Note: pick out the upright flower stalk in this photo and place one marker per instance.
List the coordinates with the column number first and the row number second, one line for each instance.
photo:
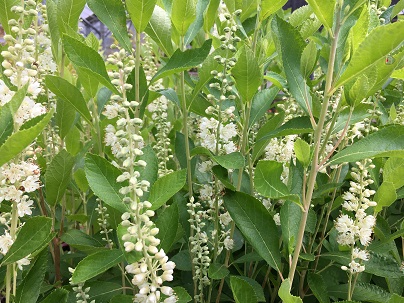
column 153, row 268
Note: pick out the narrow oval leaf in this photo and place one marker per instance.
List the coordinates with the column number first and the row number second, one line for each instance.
column 65, row 117
column 309, row 59
column 70, row 94
column 290, row 45
column 183, row 13
column 290, row 216
column 68, row 13
column 256, row 224
column 324, row 10
column 371, row 50
column 80, row 240
column 318, row 287
column 57, row 176
column 385, row 195
column 18, row 141
column 29, row 289
column 112, row 14
column 140, row 11
column 247, row 74
column 181, row 61
column 59, row 295
column 96, row 264
column 167, row 223
column 267, row 180
column 166, row 187
column 242, row 291
column 302, row 151
column 284, row 293
column 268, row 7
column 159, row 29
column 218, row 271
column 261, row 103
column 387, row 142
column 230, row 161
column 101, row 176
column 6, row 13
column 30, row 238
column 87, row 60
column 393, row 171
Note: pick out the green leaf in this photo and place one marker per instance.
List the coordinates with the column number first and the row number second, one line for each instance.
column 318, row 287
column 267, row 180
column 217, row 271
column 182, row 294
column 261, row 103
column 256, row 224
column 223, row 175
column 269, row 7
column 112, row 14
column 395, row 298
column 387, row 142
column 290, row 216
column 210, row 15
column 6, row 14
column 204, row 72
column 70, row 94
column 101, row 176
column 259, row 293
column 159, row 29
column 57, row 176
column 242, row 291
column 122, row 299
column 18, row 141
column 68, row 13
column 247, row 74
column 284, row 293
column 167, row 222
column 132, row 256
column 96, row 264
column 30, row 238
column 370, row 51
column 197, row 25
column 302, row 151
column 181, row 61
column 324, row 10
column 64, row 117
column 290, row 46
column 140, row 11
column 30, row 287
column 183, row 13
column 230, row 161
column 87, row 61
column 393, row 171
column 358, row 89
column 166, row 187
column 150, row 171
column 81, row 241
column 309, row 59
column 385, row 195
column 59, row 295
column 364, row 292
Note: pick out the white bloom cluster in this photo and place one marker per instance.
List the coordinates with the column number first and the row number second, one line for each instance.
column 153, row 269
column 23, row 58
column 359, row 225
column 218, row 137
column 103, row 223
column 158, row 108
column 282, row 150
column 15, row 181
column 200, row 249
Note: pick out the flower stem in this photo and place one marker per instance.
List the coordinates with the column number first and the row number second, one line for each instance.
column 317, row 143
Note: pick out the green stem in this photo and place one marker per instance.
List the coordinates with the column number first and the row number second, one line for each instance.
column 317, row 143
column 185, row 131
column 137, row 72
column 11, row 274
